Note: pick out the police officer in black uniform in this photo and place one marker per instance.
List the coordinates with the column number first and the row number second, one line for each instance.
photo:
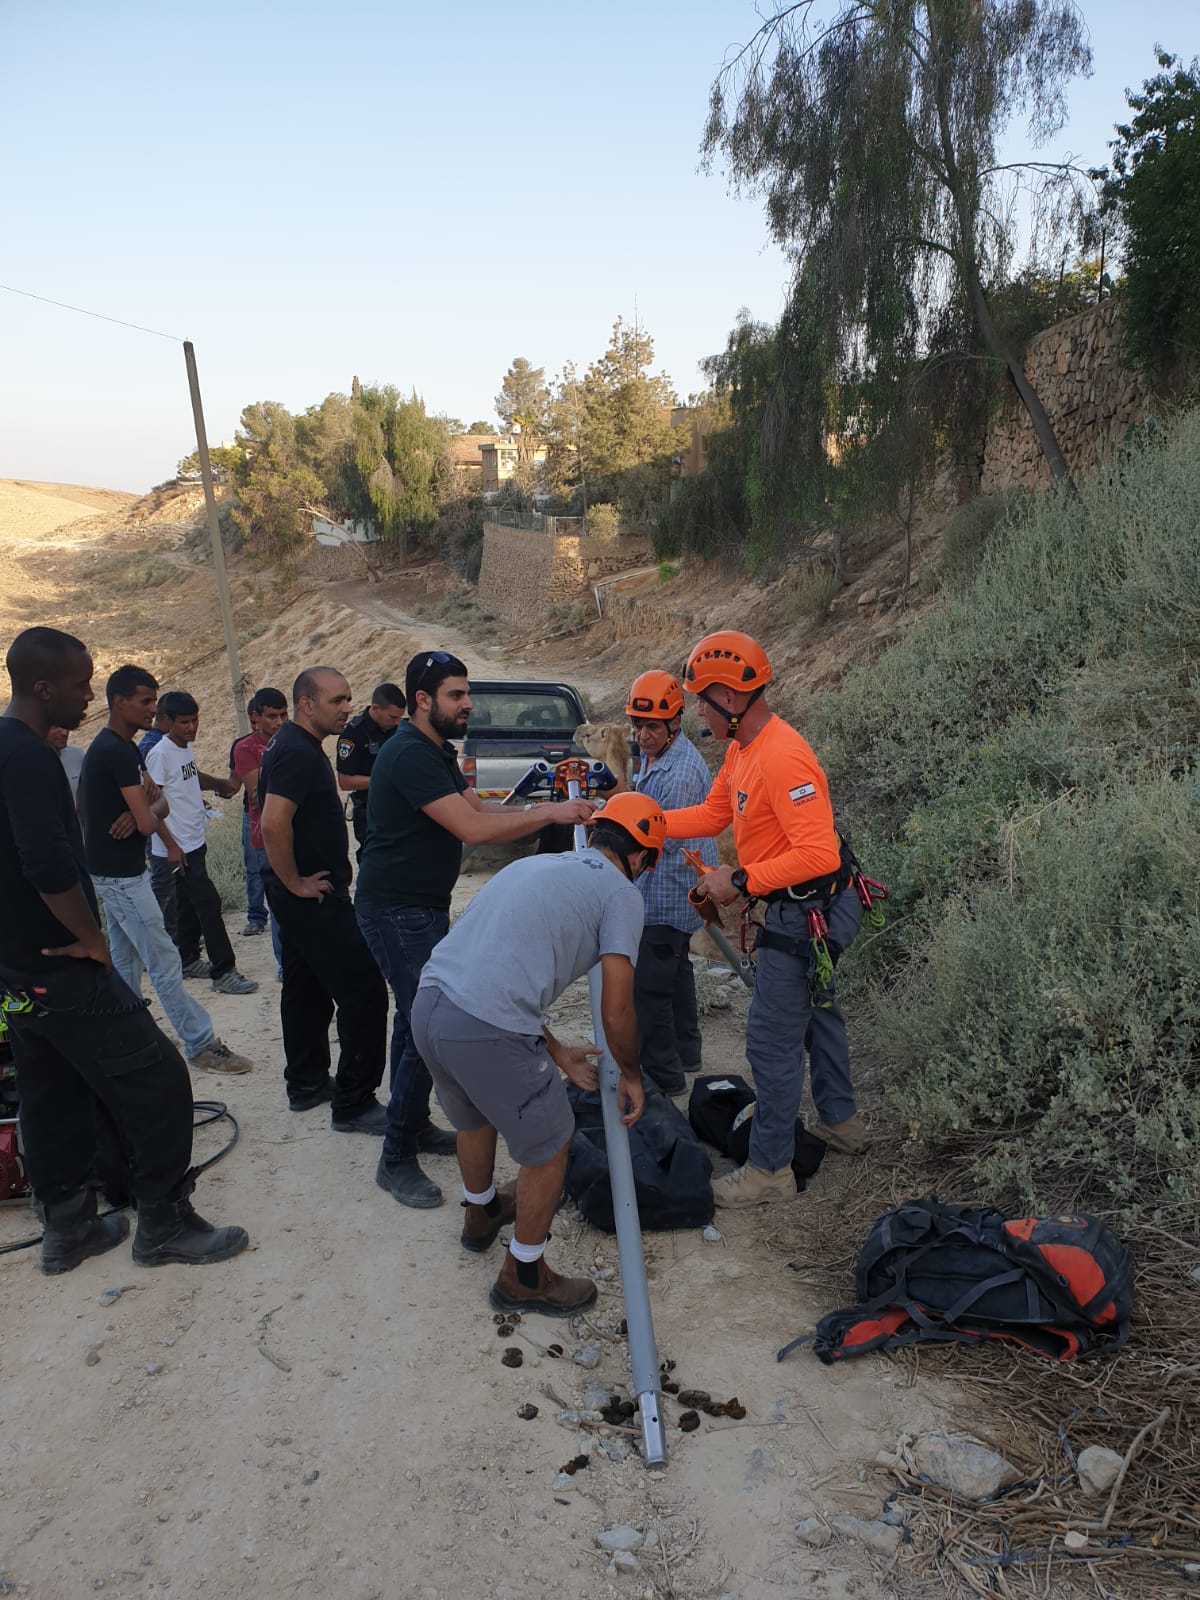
column 359, row 742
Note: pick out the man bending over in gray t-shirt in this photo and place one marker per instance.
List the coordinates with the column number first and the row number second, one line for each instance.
column 478, row 1023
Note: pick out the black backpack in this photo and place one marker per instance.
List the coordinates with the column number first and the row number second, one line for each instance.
column 671, row 1170
column 1059, row 1286
column 720, row 1108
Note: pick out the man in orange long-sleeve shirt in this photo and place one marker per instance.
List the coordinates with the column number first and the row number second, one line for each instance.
column 772, row 789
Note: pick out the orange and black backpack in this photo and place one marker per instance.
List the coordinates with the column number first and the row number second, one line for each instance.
column 1059, row 1286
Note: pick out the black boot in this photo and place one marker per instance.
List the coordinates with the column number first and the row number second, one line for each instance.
column 172, row 1230
column 73, row 1232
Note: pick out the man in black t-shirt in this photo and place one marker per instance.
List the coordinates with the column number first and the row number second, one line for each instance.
column 78, row 1033
column 325, row 963
column 420, row 813
column 121, row 808
column 359, row 743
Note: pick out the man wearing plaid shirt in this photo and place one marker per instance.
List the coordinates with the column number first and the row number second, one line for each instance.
column 672, row 772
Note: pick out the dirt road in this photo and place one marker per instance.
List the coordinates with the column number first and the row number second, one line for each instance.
column 328, row 1414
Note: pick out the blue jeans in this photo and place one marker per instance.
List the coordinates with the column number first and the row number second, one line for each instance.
column 256, row 899
column 401, row 938
column 138, row 939
column 781, row 1016
column 256, row 896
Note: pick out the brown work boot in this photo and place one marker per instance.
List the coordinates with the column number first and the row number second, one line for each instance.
column 753, row 1186
column 481, row 1224
column 849, row 1138
column 552, row 1295
column 218, row 1057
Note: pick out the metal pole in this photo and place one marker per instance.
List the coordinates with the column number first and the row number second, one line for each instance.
column 218, row 549
column 643, row 1352
column 742, row 965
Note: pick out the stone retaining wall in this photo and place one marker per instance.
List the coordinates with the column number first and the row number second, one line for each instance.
column 1090, row 396
column 525, row 572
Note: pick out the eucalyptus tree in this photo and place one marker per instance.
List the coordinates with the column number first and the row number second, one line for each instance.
column 875, row 138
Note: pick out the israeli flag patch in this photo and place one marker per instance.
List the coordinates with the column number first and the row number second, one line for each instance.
column 801, row 793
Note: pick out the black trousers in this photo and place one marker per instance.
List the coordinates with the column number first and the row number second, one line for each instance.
column 97, row 1042
column 327, row 966
column 191, row 907
column 664, row 999
column 358, row 823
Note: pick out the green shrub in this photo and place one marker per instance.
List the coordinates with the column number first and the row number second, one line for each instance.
column 603, row 521
column 225, row 865
column 974, row 529
column 1021, row 770
column 811, row 592
column 667, row 570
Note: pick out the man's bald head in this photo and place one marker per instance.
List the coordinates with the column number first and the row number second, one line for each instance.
column 321, row 701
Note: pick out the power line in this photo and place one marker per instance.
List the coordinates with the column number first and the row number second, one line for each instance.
column 83, row 312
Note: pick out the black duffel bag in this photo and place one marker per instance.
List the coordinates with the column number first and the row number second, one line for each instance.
column 720, row 1111
column 671, row 1170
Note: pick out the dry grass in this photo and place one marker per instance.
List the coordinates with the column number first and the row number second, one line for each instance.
column 1143, row 1401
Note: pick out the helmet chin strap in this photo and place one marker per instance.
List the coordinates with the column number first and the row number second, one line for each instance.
column 732, row 718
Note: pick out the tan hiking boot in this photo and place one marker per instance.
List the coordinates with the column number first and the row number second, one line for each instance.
column 480, row 1226
column 849, row 1138
column 218, row 1057
column 752, row 1186
column 551, row 1295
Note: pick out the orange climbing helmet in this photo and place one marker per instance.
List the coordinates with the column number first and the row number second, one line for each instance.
column 730, row 658
column 640, row 817
column 655, row 694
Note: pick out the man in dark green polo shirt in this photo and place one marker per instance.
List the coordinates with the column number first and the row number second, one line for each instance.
column 420, row 813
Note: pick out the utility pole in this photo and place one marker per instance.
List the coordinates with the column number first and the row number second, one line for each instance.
column 218, row 549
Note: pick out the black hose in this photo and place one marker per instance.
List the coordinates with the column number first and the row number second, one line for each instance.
column 212, row 1111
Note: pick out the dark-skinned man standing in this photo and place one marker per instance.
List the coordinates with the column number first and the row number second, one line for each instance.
column 78, row 1032
column 420, row 813
column 358, row 747
column 326, row 965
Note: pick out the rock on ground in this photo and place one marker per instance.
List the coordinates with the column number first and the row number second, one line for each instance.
column 1098, row 1469
column 966, row 1469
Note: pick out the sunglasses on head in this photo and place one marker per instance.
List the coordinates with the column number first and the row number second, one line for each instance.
column 435, row 658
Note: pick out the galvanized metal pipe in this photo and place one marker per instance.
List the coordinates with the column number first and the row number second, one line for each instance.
column 643, row 1352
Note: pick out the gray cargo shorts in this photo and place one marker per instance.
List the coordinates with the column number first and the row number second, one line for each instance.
column 484, row 1076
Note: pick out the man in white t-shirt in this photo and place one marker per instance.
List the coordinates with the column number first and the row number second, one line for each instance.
column 189, row 898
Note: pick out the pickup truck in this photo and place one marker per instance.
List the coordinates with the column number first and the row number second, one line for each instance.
column 513, row 725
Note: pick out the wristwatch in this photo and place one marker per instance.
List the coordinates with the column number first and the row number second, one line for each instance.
column 738, row 879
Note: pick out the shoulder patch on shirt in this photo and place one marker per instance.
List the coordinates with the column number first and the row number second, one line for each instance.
column 742, row 797
column 345, row 748
column 801, row 793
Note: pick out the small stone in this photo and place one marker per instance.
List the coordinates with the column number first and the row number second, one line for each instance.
column 1098, row 1469
column 868, row 597
column 297, row 1294
column 153, row 1368
column 562, row 1480
column 621, row 1536
column 588, row 1356
column 877, row 1536
column 326, row 1255
column 311, row 1477
column 92, row 1359
column 711, row 1235
column 625, row 1561
column 569, row 1417
column 617, row 1450
column 596, row 1396
column 969, row 1470
column 1074, row 1540
column 813, row 1531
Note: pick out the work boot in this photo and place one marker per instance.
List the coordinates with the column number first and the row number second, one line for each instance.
column 752, row 1186
column 371, row 1119
column 73, row 1232
column 848, row 1138
column 317, row 1097
column 551, row 1295
column 481, row 1224
column 253, row 930
column 405, row 1182
column 218, row 1057
column 197, row 968
column 433, row 1141
column 173, row 1231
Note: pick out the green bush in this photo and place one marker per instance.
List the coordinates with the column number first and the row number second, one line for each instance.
column 1021, row 769
column 225, row 865
column 811, row 592
column 667, row 570
column 973, row 530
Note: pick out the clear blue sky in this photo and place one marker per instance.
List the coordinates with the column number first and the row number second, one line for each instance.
column 413, row 194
